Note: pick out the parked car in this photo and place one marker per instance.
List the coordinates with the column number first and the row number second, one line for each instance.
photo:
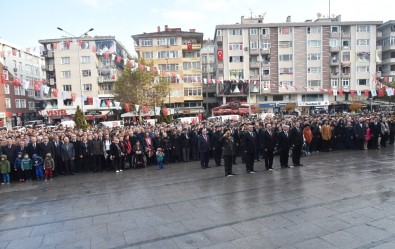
column 19, row 128
column 32, row 124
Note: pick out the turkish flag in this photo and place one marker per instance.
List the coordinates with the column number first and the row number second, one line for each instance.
column 330, row 92
column 16, row 82
column 164, row 111
column 142, row 67
column 220, row 54
column 80, row 43
column 14, row 52
column 154, row 70
column 55, row 92
column 341, row 92
column 366, row 93
column 89, row 101
column 119, row 59
column 189, row 45
column 67, row 44
column 3, row 78
column 127, row 107
column 36, row 87
column 94, row 49
column 106, row 55
column 73, row 96
column 108, row 103
column 54, row 45
column 352, row 92
column 381, row 92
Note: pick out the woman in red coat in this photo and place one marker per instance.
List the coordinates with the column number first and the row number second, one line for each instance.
column 308, row 137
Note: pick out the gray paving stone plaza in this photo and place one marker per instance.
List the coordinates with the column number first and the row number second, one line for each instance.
column 339, row 199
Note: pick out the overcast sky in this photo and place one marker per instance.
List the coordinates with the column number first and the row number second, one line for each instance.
column 25, row 22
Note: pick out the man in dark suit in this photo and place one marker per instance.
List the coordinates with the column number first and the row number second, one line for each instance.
column 68, row 154
column 283, row 145
column 360, row 132
column 194, row 143
column 217, row 135
column 46, row 147
column 10, row 151
column 375, row 129
column 56, row 156
column 249, row 141
column 268, row 146
column 77, row 160
column 85, row 154
column 204, row 149
column 296, row 140
column 32, row 148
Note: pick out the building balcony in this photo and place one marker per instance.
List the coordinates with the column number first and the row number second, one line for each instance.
column 335, row 74
column 220, row 65
column 47, row 54
column 346, row 75
column 388, row 47
column 52, row 81
column 346, row 34
column 334, row 62
column 334, row 49
column 106, row 79
column 335, row 35
column 194, row 46
column 254, row 64
column 389, row 61
column 219, row 39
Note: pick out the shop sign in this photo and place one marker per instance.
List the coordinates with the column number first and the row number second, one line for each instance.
column 56, row 112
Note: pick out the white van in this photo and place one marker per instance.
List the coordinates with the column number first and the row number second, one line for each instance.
column 187, row 120
column 111, row 124
column 67, row 124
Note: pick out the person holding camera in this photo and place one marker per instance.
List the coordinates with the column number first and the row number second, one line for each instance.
column 228, row 150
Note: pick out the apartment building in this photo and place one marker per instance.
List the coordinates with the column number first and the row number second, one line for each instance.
column 176, row 54
column 312, row 64
column 81, row 72
column 386, row 48
column 208, row 69
column 19, row 68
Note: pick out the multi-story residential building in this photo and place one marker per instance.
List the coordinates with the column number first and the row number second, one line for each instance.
column 20, row 68
column 177, row 53
column 81, row 72
column 312, row 64
column 386, row 45
column 208, row 69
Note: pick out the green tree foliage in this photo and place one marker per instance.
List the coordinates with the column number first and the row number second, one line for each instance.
column 139, row 86
column 79, row 119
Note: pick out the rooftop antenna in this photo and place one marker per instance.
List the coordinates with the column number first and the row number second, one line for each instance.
column 329, row 8
column 250, row 13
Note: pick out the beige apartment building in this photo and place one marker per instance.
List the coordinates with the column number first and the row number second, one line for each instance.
column 81, row 72
column 176, row 55
column 313, row 64
column 386, row 49
column 207, row 54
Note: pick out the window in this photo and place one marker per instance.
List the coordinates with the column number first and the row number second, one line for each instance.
column 23, row 103
column 312, row 70
column 31, row 105
column 286, row 83
column 17, row 103
column 264, row 31
column 334, row 43
column 363, row 28
column 168, row 67
column 66, row 74
column 6, row 89
column 7, row 103
column 65, row 60
column 67, row 88
column 346, row 70
column 146, row 42
column 22, row 91
column 286, row 70
column 106, row 87
column 236, row 59
column 236, row 46
column 314, row 43
column 254, row 31
column 345, row 82
column 312, row 97
column 86, row 73
column 191, row 78
column 265, row 44
column 167, row 54
column 285, row 44
column 364, row 56
column 167, row 41
column 363, row 42
column 236, row 74
column 362, row 82
column 235, row 32
column 85, row 59
column 278, row 97
column 361, row 69
column 334, row 29
column 30, row 93
column 285, row 57
column 314, row 57
column 313, row 83
column 20, row 65
column 148, row 55
column 195, row 91
column 334, row 82
column 104, row 61
column 87, row 87
column 219, row 32
column 285, row 30
column 191, row 65
column 17, row 90
column 253, row 45
column 345, row 56
column 346, row 43
column 313, row 30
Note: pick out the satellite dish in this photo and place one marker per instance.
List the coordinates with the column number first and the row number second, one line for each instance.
column 319, row 15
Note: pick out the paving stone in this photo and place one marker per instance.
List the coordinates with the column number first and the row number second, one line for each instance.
column 33, row 242
column 314, row 244
column 194, row 240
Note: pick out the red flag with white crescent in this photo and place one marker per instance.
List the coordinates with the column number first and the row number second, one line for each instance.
column 220, row 54
column 189, row 45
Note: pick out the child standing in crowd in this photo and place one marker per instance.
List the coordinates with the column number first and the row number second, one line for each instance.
column 26, row 167
column 38, row 164
column 159, row 157
column 18, row 167
column 5, row 169
column 49, row 166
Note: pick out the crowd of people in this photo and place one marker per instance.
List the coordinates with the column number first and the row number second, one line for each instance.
column 40, row 153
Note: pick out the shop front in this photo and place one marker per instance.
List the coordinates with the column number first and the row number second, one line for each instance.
column 272, row 107
column 56, row 116
column 313, row 107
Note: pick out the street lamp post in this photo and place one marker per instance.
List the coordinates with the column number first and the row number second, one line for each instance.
column 168, row 80
column 79, row 63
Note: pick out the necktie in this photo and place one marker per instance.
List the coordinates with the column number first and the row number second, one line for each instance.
column 205, row 138
column 34, row 145
column 251, row 134
column 286, row 134
column 45, row 143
